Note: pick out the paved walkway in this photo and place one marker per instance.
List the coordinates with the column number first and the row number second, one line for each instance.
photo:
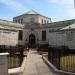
column 35, row 65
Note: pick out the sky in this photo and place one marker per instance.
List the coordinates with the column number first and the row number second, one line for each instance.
column 57, row 10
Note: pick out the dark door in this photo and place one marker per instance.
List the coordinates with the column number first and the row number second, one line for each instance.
column 32, row 40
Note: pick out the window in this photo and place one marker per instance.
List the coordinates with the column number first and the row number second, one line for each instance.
column 69, row 36
column 18, row 20
column 20, row 35
column 15, row 20
column 32, row 20
column 42, row 21
column 43, row 35
column 21, row 21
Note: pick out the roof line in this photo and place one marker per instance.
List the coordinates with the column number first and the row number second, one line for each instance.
column 32, row 14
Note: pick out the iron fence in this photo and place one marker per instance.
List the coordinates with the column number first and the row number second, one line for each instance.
column 62, row 58
column 42, row 47
column 15, row 57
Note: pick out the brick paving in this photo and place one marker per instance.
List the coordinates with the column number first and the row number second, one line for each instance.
column 35, row 65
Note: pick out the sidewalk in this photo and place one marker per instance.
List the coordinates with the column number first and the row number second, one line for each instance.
column 35, row 65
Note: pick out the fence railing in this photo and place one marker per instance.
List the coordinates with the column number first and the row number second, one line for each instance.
column 42, row 47
column 13, row 61
column 15, row 57
column 62, row 58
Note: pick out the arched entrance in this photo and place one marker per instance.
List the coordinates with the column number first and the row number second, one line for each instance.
column 32, row 40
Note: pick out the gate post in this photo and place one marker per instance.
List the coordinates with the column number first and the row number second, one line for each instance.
column 4, row 63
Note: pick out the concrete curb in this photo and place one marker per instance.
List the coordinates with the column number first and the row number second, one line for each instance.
column 60, row 72
column 14, row 71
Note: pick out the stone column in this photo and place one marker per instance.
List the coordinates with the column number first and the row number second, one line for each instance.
column 4, row 63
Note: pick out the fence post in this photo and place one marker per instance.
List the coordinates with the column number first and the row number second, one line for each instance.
column 4, row 63
column 21, row 49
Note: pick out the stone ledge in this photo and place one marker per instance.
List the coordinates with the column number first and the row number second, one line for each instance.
column 14, row 71
column 55, row 69
column 4, row 54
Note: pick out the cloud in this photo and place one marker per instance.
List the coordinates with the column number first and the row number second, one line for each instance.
column 68, row 6
column 71, row 12
column 13, row 4
column 62, row 2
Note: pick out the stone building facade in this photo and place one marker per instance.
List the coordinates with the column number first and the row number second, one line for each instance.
column 32, row 17
column 9, row 33
column 64, row 37
column 33, row 29
column 38, row 29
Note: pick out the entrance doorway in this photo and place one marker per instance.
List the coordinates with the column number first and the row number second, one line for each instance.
column 32, row 41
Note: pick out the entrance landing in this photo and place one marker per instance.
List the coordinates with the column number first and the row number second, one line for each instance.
column 35, row 65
